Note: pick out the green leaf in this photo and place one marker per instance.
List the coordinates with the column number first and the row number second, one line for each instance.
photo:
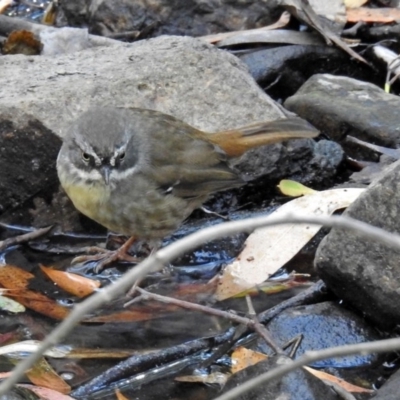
column 294, row 189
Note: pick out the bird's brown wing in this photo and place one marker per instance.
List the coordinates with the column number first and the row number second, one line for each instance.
column 184, row 164
column 199, row 182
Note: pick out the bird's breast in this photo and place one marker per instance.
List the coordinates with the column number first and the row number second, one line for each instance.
column 90, row 199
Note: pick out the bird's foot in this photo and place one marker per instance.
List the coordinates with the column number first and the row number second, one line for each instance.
column 106, row 257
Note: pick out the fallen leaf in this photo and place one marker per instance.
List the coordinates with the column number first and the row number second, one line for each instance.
column 50, row 13
column 382, row 15
column 17, row 279
column 214, row 378
column 80, row 353
column 31, row 346
column 129, row 315
column 293, row 188
column 119, row 395
column 46, row 393
column 42, row 374
column 303, row 11
column 22, row 42
column 273, row 286
column 77, row 285
column 243, row 358
column 341, row 382
column 283, row 21
column 10, row 305
column 275, row 36
column 268, row 249
column 354, row 3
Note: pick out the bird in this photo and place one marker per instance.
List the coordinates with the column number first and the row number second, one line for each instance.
column 141, row 172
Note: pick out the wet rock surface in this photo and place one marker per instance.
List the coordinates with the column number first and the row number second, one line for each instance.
column 321, row 326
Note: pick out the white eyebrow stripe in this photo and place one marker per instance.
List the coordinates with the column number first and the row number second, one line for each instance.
column 87, row 148
column 117, row 153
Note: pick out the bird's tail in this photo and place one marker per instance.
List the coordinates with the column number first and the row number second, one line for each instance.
column 237, row 141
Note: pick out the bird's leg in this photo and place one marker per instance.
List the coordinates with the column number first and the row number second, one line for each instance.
column 108, row 256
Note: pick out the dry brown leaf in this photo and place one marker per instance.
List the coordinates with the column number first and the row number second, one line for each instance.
column 77, row 285
column 382, row 15
column 131, row 315
column 83, row 353
column 42, row 374
column 22, row 42
column 243, row 358
column 46, row 393
column 341, row 382
column 39, row 303
column 17, row 279
column 119, row 395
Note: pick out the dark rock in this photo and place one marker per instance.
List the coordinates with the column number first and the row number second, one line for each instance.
column 322, row 326
column 361, row 271
column 177, row 17
column 28, row 152
column 76, row 11
column 341, row 106
column 282, row 70
column 303, row 160
column 296, row 385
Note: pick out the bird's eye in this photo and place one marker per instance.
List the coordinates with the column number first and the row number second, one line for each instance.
column 85, row 157
column 122, row 156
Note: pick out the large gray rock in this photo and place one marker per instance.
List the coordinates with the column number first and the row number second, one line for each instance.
column 339, row 106
column 362, row 272
column 208, row 88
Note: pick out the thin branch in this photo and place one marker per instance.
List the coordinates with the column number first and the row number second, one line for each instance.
column 26, row 237
column 156, row 261
column 314, row 294
column 145, row 295
column 251, row 323
column 259, row 328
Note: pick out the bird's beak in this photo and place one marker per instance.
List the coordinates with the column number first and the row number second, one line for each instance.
column 105, row 173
